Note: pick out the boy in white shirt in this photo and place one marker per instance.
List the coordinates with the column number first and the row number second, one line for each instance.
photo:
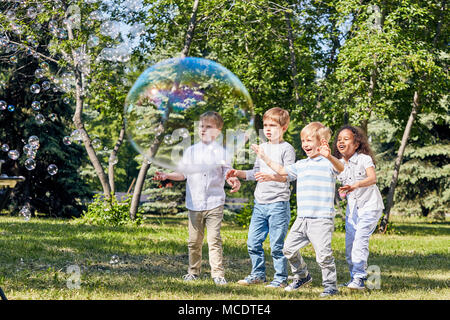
column 205, row 196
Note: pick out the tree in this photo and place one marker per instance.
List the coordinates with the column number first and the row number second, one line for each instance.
column 34, row 127
column 154, row 148
column 88, row 58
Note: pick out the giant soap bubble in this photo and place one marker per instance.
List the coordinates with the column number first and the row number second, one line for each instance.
column 163, row 108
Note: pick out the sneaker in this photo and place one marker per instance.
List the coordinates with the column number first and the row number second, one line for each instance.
column 328, row 293
column 220, row 281
column 356, row 284
column 345, row 284
column 297, row 283
column 249, row 280
column 190, row 277
column 277, row 285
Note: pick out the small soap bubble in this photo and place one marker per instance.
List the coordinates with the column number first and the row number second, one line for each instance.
column 114, row 260
column 36, row 105
column 35, row 88
column 67, row 140
column 5, row 147
column 11, row 108
column 52, row 169
column 30, row 164
column 93, row 41
column 33, row 141
column 76, row 135
column 96, row 143
column 26, row 213
column 44, row 65
column 13, row 154
column 45, row 85
column 3, row 105
column 52, row 116
column 113, row 160
column 39, row 73
column 40, row 119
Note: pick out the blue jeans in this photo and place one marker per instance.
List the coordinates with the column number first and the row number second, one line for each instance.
column 269, row 219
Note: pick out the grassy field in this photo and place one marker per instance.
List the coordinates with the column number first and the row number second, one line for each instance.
column 35, row 256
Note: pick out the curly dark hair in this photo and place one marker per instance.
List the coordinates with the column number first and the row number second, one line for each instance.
column 359, row 137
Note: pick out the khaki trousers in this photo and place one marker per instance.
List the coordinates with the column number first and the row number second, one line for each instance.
column 212, row 220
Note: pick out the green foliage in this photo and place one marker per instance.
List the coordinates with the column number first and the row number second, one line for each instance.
column 244, row 216
column 424, row 178
column 110, row 212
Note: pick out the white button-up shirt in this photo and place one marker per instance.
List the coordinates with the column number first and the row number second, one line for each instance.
column 205, row 184
column 365, row 198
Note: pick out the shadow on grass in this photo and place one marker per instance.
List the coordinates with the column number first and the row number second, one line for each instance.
column 436, row 228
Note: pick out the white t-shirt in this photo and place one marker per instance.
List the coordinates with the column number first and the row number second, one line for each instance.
column 366, row 198
column 205, row 189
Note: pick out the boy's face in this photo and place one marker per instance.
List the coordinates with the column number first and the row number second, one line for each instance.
column 273, row 131
column 310, row 144
column 208, row 130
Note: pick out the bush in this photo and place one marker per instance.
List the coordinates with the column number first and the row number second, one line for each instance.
column 109, row 212
column 245, row 215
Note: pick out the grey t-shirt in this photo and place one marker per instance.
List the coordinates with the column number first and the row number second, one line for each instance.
column 272, row 191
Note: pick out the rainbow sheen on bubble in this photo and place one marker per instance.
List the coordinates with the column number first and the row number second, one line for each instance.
column 163, row 108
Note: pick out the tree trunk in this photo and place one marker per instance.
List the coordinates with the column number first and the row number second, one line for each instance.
column 113, row 158
column 154, row 148
column 77, row 120
column 398, row 161
column 293, row 63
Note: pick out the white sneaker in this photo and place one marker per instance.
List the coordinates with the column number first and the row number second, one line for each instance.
column 356, row 284
column 220, row 281
column 190, row 277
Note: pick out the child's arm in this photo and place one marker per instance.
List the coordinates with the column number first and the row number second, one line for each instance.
column 370, row 180
column 175, row 176
column 326, row 152
column 235, row 173
column 278, row 168
column 262, row 177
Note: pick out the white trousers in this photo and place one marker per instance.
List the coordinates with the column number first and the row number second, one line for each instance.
column 359, row 226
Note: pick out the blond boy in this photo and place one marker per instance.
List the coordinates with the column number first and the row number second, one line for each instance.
column 205, row 196
column 316, row 177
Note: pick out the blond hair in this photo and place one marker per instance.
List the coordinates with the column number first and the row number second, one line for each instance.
column 278, row 115
column 317, row 130
column 214, row 116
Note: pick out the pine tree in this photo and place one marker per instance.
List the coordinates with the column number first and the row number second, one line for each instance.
column 44, row 115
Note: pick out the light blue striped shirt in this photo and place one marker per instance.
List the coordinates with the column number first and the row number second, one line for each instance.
column 316, row 181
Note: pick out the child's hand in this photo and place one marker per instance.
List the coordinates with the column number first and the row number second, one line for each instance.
column 160, row 176
column 263, row 177
column 231, row 174
column 234, row 183
column 259, row 151
column 324, row 149
column 344, row 190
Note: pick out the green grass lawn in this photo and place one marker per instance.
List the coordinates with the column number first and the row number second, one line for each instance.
column 35, row 255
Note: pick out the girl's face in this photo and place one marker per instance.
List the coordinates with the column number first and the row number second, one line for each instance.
column 346, row 143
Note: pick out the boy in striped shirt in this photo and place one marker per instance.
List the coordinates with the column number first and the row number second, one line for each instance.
column 316, row 178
